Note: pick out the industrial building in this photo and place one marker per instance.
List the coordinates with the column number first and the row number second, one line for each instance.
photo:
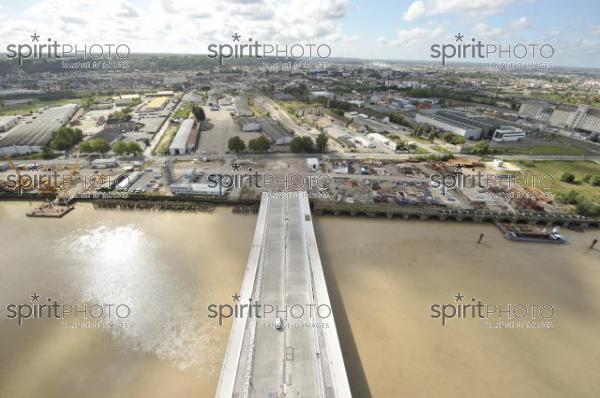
column 561, row 114
column 383, row 140
column 538, row 111
column 8, row 122
column 272, row 129
column 188, row 184
column 241, row 106
column 365, row 124
column 192, row 98
column 585, row 118
column 362, row 141
column 467, row 130
column 126, row 99
column 36, row 131
column 108, row 163
column 488, row 125
column 276, row 133
column 128, row 181
column 249, row 123
column 185, row 140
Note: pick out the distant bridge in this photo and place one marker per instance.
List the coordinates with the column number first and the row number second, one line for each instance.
column 445, row 214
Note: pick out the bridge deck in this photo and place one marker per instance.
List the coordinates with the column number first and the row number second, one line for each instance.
column 284, row 271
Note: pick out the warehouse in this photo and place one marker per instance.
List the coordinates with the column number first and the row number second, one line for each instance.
column 241, row 106
column 36, row 131
column 362, row 141
column 276, row 133
column 184, row 139
column 188, row 184
column 249, row 123
column 8, row 122
column 467, row 130
column 108, row 163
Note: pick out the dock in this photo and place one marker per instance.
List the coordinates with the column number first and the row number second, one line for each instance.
column 50, row 210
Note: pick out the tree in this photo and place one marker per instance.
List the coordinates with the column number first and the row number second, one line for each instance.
column 95, row 146
column 198, row 113
column 65, row 138
column 302, row 144
column 236, row 144
column 120, row 148
column 448, row 137
column 458, row 140
column 322, row 140
column 568, row 177
column 259, row 144
column 133, row 148
column 124, row 115
column 595, row 181
column 481, row 148
column 47, row 152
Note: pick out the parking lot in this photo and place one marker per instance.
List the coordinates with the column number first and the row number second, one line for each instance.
column 214, row 141
column 149, row 181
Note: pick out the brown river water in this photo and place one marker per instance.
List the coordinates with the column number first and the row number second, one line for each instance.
column 383, row 277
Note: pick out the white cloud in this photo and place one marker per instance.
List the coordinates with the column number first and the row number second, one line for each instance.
column 415, row 36
column 179, row 25
column 594, row 30
column 420, row 8
column 519, row 24
column 483, row 31
column 415, row 11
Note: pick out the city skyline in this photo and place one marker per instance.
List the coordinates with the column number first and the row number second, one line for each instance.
column 392, row 30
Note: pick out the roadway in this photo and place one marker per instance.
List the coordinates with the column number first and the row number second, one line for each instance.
column 284, row 270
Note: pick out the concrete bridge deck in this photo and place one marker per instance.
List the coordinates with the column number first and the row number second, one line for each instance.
column 284, row 273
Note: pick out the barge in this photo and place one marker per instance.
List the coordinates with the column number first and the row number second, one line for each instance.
column 530, row 233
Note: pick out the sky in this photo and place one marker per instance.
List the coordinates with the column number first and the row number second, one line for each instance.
column 370, row 29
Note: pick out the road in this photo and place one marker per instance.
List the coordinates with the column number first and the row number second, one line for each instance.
column 303, row 358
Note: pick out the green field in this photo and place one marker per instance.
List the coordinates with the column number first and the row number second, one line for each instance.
column 440, row 149
column 36, row 105
column 163, row 146
column 539, row 150
column 556, row 170
column 292, row 106
column 183, row 112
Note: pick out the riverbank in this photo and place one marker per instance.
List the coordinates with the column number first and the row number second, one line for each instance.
column 319, row 207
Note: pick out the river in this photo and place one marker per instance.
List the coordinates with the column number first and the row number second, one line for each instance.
column 383, row 277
